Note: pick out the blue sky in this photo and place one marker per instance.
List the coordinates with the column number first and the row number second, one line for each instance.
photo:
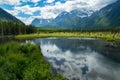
column 28, row 10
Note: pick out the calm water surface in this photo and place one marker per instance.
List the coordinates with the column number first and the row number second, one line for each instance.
column 82, row 59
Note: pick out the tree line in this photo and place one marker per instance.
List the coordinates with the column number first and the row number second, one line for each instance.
column 51, row 30
column 12, row 28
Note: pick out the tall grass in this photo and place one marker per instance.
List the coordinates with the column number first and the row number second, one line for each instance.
column 24, row 62
column 103, row 35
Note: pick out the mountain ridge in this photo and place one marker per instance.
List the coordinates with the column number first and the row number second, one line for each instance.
column 107, row 17
column 4, row 15
column 61, row 19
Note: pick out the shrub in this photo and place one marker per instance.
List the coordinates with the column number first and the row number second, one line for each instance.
column 15, row 65
column 2, row 50
column 28, row 48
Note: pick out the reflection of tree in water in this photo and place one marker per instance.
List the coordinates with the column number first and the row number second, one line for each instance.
column 112, row 53
column 7, row 39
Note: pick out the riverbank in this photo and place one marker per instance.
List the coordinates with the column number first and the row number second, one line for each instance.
column 24, row 62
column 103, row 35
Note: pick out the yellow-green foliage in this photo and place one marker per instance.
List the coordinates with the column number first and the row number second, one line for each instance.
column 24, row 62
column 103, row 35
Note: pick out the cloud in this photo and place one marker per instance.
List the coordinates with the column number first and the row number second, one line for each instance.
column 17, row 2
column 51, row 11
column 35, row 1
column 11, row 2
column 13, row 12
column 26, row 9
column 27, row 21
column 50, row 1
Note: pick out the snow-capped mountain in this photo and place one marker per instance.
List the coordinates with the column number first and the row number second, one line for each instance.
column 75, row 13
column 62, row 19
column 107, row 17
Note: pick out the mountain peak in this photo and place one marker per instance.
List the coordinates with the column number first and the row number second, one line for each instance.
column 81, row 13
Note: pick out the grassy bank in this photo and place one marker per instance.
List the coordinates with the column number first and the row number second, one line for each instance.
column 104, row 35
column 24, row 62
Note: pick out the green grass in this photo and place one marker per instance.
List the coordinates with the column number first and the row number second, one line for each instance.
column 24, row 62
column 104, row 35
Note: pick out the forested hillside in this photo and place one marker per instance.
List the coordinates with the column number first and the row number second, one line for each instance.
column 6, row 16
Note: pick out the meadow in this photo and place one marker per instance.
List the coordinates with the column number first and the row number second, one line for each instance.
column 103, row 35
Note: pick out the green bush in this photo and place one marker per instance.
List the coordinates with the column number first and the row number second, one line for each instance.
column 28, row 48
column 2, row 51
column 15, row 65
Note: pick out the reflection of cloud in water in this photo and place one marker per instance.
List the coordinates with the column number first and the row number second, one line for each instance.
column 70, row 64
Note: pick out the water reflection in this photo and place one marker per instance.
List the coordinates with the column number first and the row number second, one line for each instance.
column 6, row 39
column 82, row 59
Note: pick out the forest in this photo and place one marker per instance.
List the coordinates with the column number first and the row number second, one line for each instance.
column 12, row 28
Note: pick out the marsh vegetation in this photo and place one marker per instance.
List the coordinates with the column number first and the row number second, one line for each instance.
column 24, row 62
column 104, row 35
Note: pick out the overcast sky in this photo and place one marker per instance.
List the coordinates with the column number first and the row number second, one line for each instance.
column 27, row 10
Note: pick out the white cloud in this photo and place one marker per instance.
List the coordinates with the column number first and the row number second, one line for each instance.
column 50, row 1
column 26, row 21
column 11, row 2
column 30, row 19
column 13, row 12
column 35, row 1
column 26, row 9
